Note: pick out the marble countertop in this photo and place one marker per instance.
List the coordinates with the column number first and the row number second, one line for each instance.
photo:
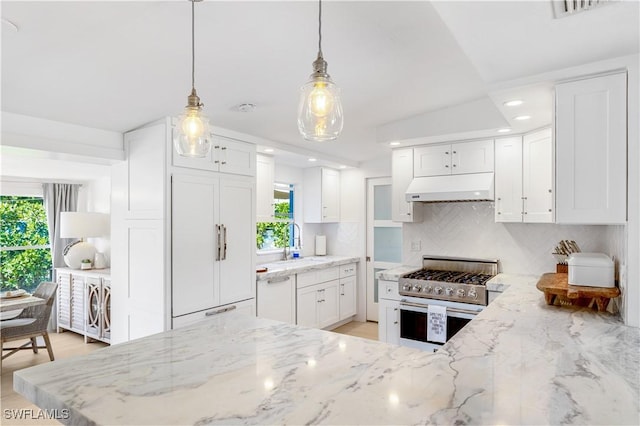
column 305, row 264
column 394, row 274
column 518, row 362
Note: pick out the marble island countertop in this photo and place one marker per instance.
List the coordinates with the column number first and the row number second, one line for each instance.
column 519, row 362
column 304, row 264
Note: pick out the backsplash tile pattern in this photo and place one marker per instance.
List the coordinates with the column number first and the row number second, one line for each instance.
column 468, row 230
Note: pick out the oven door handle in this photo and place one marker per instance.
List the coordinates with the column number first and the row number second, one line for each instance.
column 456, row 310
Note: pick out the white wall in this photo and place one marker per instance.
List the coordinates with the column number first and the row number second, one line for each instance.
column 95, row 196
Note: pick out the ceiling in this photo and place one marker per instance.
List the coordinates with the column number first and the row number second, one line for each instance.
column 116, row 65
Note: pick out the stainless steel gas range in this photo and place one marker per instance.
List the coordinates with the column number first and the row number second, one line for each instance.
column 441, row 298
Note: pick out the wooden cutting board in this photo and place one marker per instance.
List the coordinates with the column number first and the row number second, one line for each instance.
column 556, row 284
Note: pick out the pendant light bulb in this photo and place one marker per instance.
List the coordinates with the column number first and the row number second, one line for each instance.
column 192, row 137
column 320, row 109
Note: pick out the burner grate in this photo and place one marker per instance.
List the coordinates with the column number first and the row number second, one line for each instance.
column 450, row 276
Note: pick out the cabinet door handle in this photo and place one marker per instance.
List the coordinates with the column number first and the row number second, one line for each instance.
column 218, row 247
column 446, row 165
column 278, row 280
column 454, row 165
column 342, row 291
column 220, row 311
column 224, row 250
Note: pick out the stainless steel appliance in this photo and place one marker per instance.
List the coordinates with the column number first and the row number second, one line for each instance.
column 458, row 284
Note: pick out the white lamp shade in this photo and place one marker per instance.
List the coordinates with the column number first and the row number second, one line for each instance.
column 83, row 224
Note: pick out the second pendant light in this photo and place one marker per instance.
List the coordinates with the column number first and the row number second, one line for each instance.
column 320, row 109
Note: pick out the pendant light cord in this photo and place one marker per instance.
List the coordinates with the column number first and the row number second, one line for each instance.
column 193, row 46
column 320, row 27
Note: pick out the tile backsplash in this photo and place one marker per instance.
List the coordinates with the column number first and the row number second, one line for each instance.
column 468, row 229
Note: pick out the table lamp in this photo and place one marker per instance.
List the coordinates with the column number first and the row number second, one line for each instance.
column 81, row 225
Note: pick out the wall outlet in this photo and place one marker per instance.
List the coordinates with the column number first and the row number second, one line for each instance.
column 416, row 245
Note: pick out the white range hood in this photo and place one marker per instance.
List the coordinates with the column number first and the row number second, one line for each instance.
column 469, row 187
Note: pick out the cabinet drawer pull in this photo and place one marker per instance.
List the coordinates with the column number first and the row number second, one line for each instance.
column 220, row 311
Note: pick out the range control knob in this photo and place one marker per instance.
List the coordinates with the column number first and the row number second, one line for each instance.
column 427, row 289
column 438, row 290
column 417, row 288
column 472, row 294
column 460, row 292
column 406, row 287
column 449, row 291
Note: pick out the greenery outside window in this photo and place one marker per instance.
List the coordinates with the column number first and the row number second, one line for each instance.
column 277, row 234
column 25, row 255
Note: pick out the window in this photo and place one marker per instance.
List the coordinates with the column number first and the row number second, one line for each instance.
column 277, row 234
column 25, row 256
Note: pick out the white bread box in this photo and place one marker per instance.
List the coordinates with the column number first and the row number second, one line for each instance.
column 591, row 270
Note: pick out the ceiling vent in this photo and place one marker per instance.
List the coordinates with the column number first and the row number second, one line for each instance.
column 564, row 8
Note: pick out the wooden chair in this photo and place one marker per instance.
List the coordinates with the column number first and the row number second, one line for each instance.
column 30, row 324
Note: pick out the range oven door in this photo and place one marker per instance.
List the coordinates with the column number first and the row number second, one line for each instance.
column 414, row 323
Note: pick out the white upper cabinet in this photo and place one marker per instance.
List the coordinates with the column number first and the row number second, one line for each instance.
column 321, row 195
column 265, row 170
column 508, row 178
column 524, row 178
column 472, row 157
column 432, row 160
column 226, row 156
column 458, row 158
column 591, row 144
column 402, row 175
column 537, row 177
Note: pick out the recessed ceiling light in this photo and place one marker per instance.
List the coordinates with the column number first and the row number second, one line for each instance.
column 313, row 159
column 522, row 117
column 343, row 167
column 246, row 107
column 395, row 143
column 268, row 150
column 505, row 130
column 514, row 102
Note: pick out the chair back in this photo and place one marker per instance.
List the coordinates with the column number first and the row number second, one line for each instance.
column 41, row 313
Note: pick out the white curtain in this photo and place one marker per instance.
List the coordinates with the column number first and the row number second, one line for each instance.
column 58, row 197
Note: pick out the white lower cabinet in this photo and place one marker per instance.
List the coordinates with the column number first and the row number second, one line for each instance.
column 277, row 299
column 247, row 307
column 388, row 312
column 318, row 305
column 348, row 291
column 389, row 321
column 84, row 302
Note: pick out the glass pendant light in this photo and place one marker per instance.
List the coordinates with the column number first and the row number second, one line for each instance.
column 320, row 109
column 192, row 136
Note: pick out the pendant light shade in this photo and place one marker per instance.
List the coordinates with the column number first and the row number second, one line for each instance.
column 192, row 136
column 320, row 109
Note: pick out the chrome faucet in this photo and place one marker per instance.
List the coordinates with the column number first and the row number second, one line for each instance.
column 297, row 242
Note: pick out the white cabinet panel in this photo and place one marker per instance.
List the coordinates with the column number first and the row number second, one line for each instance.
column 144, row 149
column 246, row 307
column 401, row 177
column 347, row 297
column 458, row 158
column 321, row 197
column 432, row 160
column 226, row 156
column 328, row 308
column 389, row 323
column 524, row 178
column 591, row 144
column 237, row 211
column 307, row 301
column 277, row 299
column 508, row 180
column 472, row 157
column 194, row 247
column 265, row 170
column 212, row 259
column 537, row 177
